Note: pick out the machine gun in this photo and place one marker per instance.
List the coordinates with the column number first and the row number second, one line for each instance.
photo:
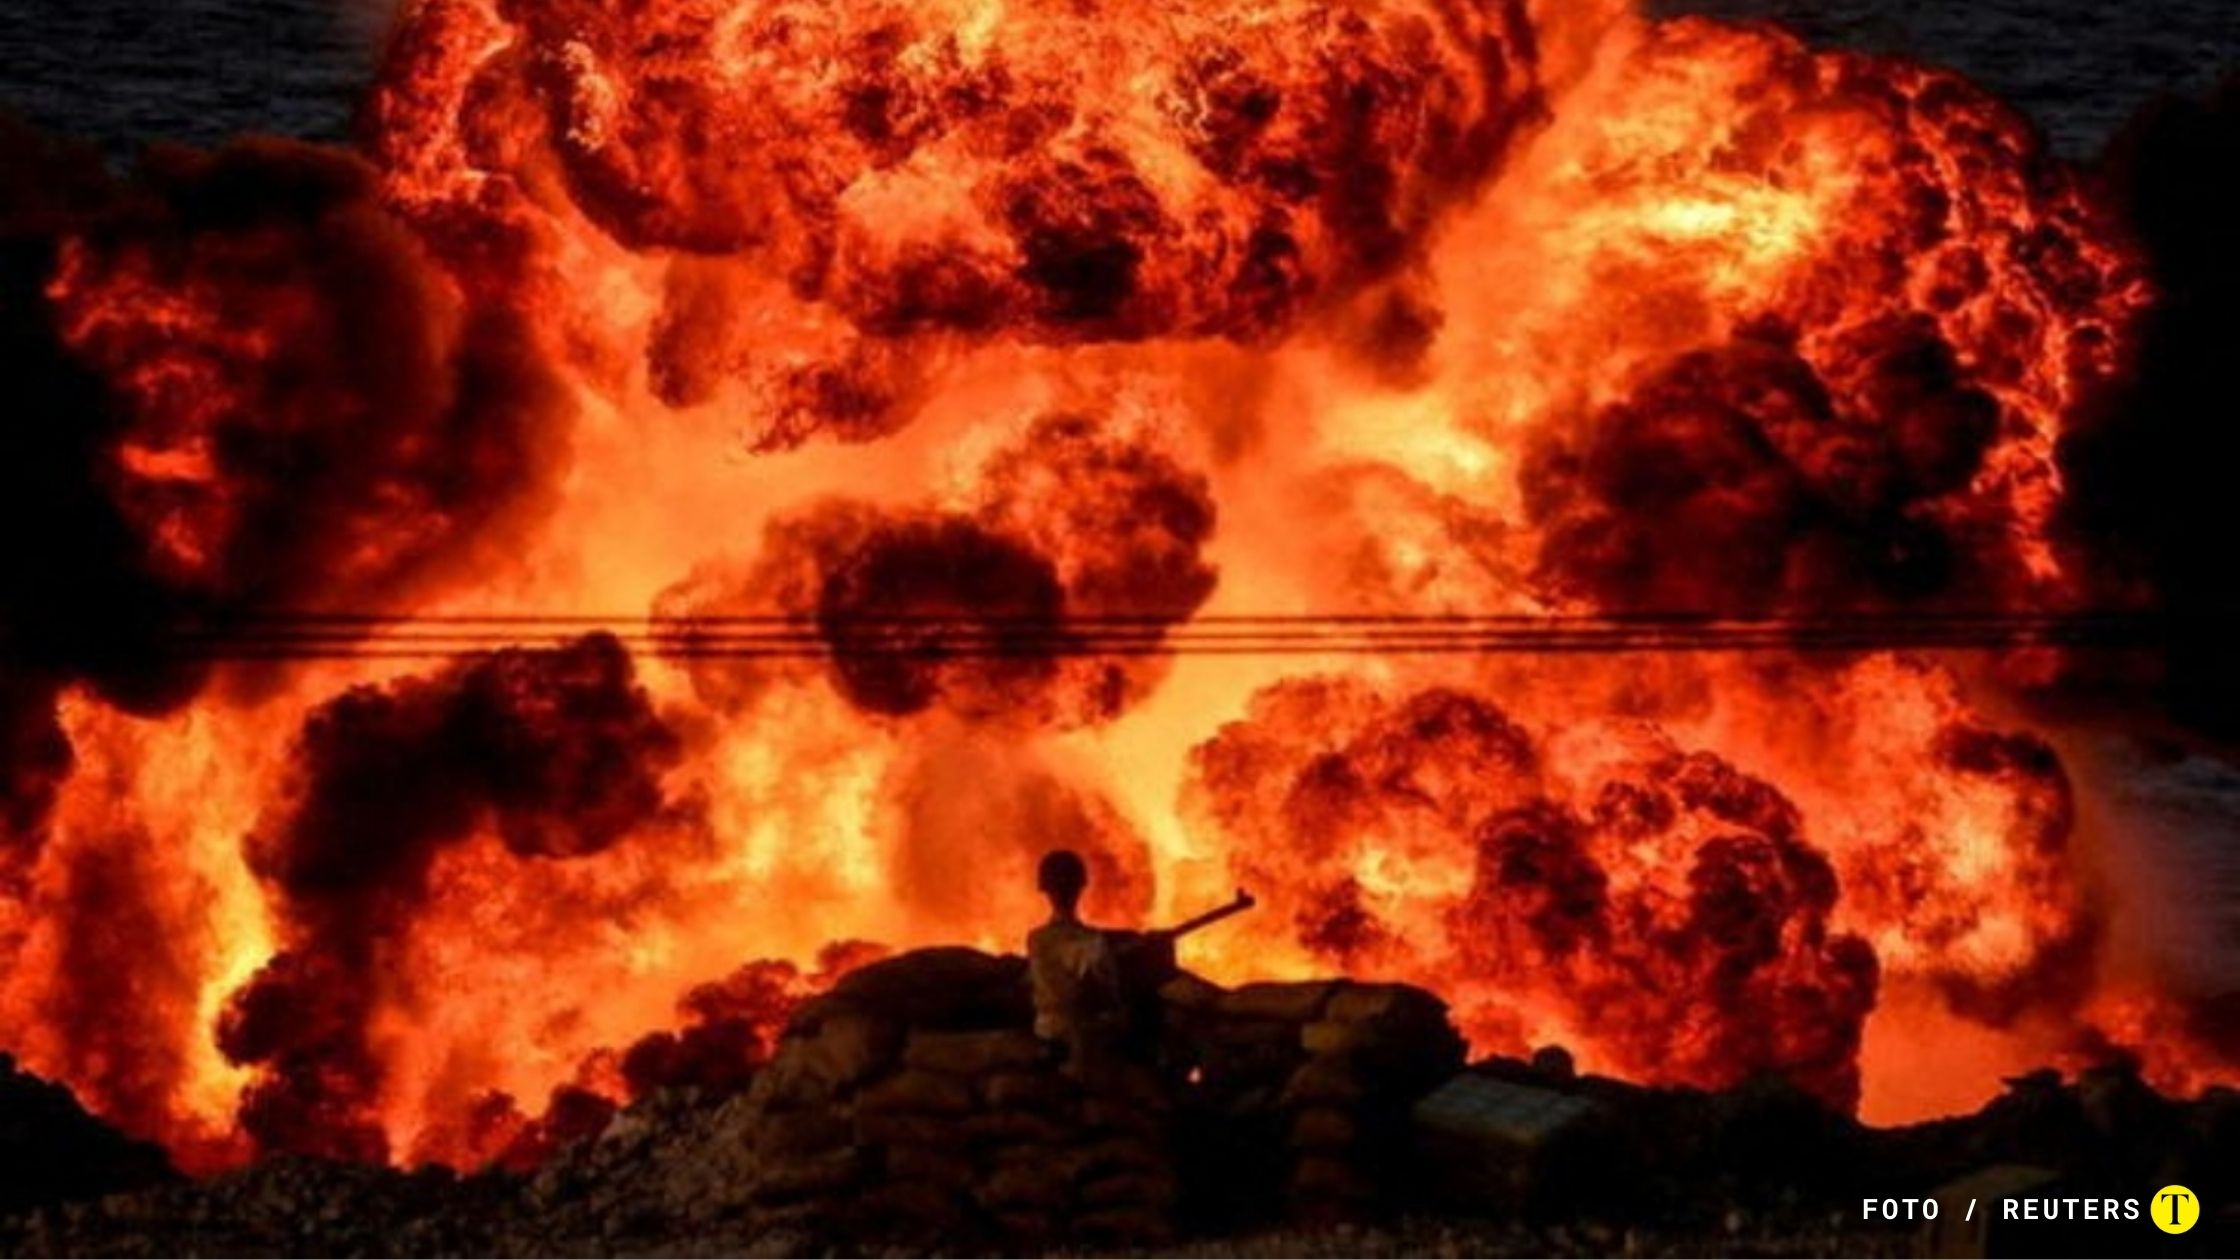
column 1147, row 963
column 1147, row 958
column 1237, row 905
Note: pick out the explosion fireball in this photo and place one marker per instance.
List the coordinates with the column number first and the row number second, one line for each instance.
column 719, row 482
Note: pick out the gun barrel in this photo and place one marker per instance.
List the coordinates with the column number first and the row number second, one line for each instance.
column 1238, row 905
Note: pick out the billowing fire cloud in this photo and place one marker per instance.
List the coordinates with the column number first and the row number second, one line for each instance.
column 717, row 482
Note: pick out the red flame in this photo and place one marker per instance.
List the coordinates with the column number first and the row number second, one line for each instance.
column 922, row 435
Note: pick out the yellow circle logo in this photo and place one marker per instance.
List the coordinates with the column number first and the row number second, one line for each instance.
column 2175, row 1209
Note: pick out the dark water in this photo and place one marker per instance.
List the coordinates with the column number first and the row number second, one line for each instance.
column 128, row 71
column 2078, row 66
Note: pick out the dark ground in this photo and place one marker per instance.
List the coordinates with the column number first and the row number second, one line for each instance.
column 1756, row 1171
column 909, row 1110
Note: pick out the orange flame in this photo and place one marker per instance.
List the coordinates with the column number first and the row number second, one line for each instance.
column 1070, row 327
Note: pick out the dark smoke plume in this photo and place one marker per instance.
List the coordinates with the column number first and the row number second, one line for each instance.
column 1739, row 480
column 558, row 753
column 1077, row 532
column 35, row 758
column 243, row 386
column 1673, row 911
column 2150, row 501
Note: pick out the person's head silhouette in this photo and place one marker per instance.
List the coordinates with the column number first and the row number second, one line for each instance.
column 1061, row 877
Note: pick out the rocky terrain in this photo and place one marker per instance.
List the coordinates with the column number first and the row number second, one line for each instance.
column 51, row 1151
column 910, row 1110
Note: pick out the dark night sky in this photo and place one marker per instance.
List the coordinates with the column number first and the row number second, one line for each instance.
column 125, row 71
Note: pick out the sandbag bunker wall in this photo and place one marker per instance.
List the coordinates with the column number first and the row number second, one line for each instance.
column 914, row 1100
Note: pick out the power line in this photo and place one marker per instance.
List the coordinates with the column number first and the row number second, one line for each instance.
column 374, row 635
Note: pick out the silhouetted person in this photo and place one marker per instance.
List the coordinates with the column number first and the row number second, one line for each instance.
column 1079, row 1002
